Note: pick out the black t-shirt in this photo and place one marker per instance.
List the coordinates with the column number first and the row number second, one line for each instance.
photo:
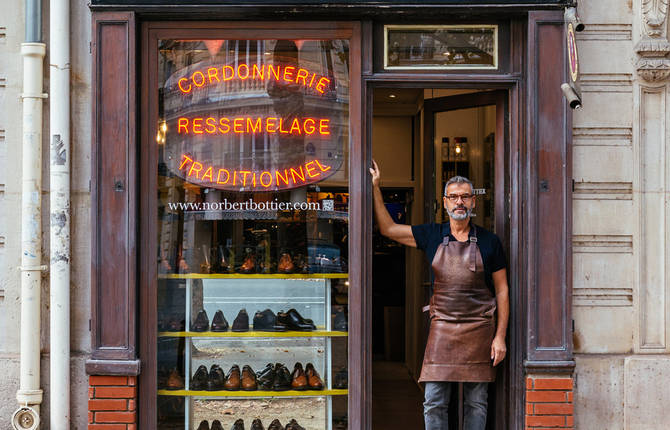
column 429, row 236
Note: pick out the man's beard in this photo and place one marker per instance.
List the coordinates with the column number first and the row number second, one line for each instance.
column 459, row 216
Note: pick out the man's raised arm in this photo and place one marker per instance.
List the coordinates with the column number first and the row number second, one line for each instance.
column 399, row 232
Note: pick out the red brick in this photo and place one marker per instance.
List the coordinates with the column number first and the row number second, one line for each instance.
column 132, row 381
column 131, row 427
column 91, row 393
column 570, row 396
column 543, row 396
column 108, row 405
column 107, row 427
column 115, row 417
column 115, row 392
column 553, row 384
column 529, row 408
column 529, row 383
column 553, row 409
column 90, row 417
column 131, row 405
column 107, row 380
column 570, row 421
column 547, row 421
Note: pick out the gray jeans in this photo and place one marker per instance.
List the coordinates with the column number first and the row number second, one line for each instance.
column 436, row 405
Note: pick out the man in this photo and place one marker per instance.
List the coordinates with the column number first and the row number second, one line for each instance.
column 464, row 343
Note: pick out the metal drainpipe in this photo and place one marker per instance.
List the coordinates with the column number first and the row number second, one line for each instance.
column 59, row 177
column 33, row 50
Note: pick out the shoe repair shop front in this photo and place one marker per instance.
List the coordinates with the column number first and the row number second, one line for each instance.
column 232, row 210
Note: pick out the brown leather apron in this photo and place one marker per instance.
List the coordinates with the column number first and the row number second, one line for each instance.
column 462, row 316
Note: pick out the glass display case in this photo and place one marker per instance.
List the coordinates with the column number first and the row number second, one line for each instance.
column 252, row 234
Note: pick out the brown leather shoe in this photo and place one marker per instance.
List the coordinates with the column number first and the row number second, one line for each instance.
column 286, row 263
column 275, row 425
column 233, row 379
column 257, row 425
column 313, row 379
column 248, row 379
column 175, row 381
column 298, row 378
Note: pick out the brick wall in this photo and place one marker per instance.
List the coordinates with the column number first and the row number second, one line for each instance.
column 112, row 403
column 549, row 402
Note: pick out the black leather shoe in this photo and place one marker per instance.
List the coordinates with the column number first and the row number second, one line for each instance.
column 219, row 322
column 201, row 322
column 267, row 321
column 204, row 425
column 266, row 377
column 275, row 425
column 340, row 322
column 239, row 425
column 216, row 425
column 216, row 378
column 199, row 381
column 241, row 322
column 257, row 425
column 294, row 321
column 282, row 380
column 293, row 425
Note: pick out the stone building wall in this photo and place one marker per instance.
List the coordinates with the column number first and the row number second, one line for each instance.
column 620, row 220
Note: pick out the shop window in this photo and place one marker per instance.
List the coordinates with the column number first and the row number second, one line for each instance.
column 428, row 47
column 253, row 194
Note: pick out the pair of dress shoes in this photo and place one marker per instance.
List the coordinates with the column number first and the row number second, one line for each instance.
column 216, row 425
column 286, row 263
column 292, row 425
column 307, row 379
column 175, row 381
column 201, row 323
column 215, row 380
column 294, row 321
column 249, row 264
column 275, row 377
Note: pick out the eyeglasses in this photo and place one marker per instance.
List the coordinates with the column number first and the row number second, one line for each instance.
column 455, row 197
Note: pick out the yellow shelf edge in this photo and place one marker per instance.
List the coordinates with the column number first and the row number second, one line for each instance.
column 255, row 276
column 289, row 393
column 258, row 334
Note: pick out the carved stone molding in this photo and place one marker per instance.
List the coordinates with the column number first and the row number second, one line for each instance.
column 653, row 69
column 654, row 13
column 653, row 66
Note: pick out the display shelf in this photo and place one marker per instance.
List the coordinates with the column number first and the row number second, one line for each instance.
column 254, row 276
column 258, row 334
column 253, row 394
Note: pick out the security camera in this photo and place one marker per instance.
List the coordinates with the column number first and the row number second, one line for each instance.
column 25, row 418
column 571, row 17
column 574, row 100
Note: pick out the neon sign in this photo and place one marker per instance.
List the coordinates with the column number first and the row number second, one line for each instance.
column 253, row 125
column 248, row 180
column 278, row 73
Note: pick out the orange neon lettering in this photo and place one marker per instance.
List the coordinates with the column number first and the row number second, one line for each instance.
column 281, row 126
column 288, row 73
column 302, row 74
column 207, row 173
column 182, row 123
column 312, row 81
column 213, row 73
column 271, row 125
column 232, row 72
column 324, row 125
column 322, row 84
column 197, row 123
column 323, row 169
column 210, row 122
column 275, row 71
column 258, row 72
column 295, row 126
column 295, row 173
column 237, row 125
column 190, row 172
column 244, row 174
column 309, row 168
column 269, row 180
column 186, row 160
column 253, row 182
column 234, row 177
column 184, row 90
column 224, row 122
column 239, row 71
column 283, row 178
column 202, row 77
column 309, row 129
column 255, row 127
column 218, row 177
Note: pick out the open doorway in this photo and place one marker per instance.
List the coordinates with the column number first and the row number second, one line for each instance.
column 421, row 138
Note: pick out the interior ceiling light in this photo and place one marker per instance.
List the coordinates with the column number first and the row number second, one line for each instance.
column 392, row 96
